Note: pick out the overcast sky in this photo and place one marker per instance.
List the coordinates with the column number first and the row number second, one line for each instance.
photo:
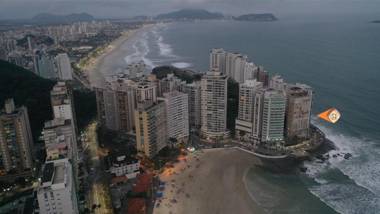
column 127, row 8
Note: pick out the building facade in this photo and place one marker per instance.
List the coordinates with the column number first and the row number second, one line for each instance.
column 247, row 93
column 116, row 105
column 123, row 166
column 177, row 112
column 59, row 139
column 56, row 192
column 16, row 142
column 170, row 83
column 298, row 110
column 214, row 105
column 193, row 92
column 273, row 116
column 151, row 128
column 218, row 60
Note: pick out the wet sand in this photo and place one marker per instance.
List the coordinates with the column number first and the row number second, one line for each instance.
column 212, row 184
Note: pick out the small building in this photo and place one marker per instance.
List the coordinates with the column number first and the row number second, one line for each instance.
column 123, row 165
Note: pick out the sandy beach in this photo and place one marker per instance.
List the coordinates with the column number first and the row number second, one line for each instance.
column 208, row 182
column 112, row 58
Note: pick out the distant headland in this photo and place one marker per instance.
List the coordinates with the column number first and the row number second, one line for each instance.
column 200, row 14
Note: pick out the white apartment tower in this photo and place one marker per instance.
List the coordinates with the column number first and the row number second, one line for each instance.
column 247, row 93
column 214, row 104
column 235, row 66
column 277, row 83
column 56, row 192
column 177, row 112
column 273, row 116
column 218, row 60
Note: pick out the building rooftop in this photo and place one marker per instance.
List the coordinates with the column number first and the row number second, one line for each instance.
column 112, row 160
column 59, row 174
column 48, row 172
column 56, row 122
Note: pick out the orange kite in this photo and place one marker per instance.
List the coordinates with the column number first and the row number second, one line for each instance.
column 331, row 115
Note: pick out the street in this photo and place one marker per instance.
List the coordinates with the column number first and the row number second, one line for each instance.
column 98, row 196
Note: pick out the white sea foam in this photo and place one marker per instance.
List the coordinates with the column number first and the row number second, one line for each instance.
column 347, row 199
column 140, row 51
column 165, row 49
column 363, row 168
column 181, row 64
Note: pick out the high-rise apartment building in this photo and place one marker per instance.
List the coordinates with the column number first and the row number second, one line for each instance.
column 298, row 110
column 61, row 97
column 56, row 192
column 151, row 127
column 273, row 116
column 107, row 108
column 170, row 83
column 64, row 70
column 247, row 93
column 218, row 60
column 145, row 92
column 262, row 76
column 16, row 141
column 62, row 103
column 214, row 104
column 193, row 91
column 116, row 105
column 177, row 111
column 235, row 66
column 277, row 83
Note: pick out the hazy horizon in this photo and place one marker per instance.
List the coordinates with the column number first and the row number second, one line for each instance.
column 24, row 9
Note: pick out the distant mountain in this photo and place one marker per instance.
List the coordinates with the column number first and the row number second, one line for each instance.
column 376, row 21
column 190, row 14
column 52, row 18
column 262, row 17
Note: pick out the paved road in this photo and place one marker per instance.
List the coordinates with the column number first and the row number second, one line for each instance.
column 99, row 193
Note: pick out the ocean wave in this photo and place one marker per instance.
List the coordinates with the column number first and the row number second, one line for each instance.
column 182, row 64
column 165, row 49
column 140, row 51
column 346, row 198
column 363, row 169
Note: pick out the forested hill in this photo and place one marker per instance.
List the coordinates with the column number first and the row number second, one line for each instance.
column 29, row 90
column 32, row 91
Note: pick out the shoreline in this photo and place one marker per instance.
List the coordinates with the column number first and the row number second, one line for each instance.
column 216, row 185
column 97, row 67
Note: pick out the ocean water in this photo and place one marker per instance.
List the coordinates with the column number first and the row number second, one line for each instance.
column 340, row 58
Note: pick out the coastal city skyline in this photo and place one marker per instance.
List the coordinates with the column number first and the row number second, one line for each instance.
column 189, row 110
